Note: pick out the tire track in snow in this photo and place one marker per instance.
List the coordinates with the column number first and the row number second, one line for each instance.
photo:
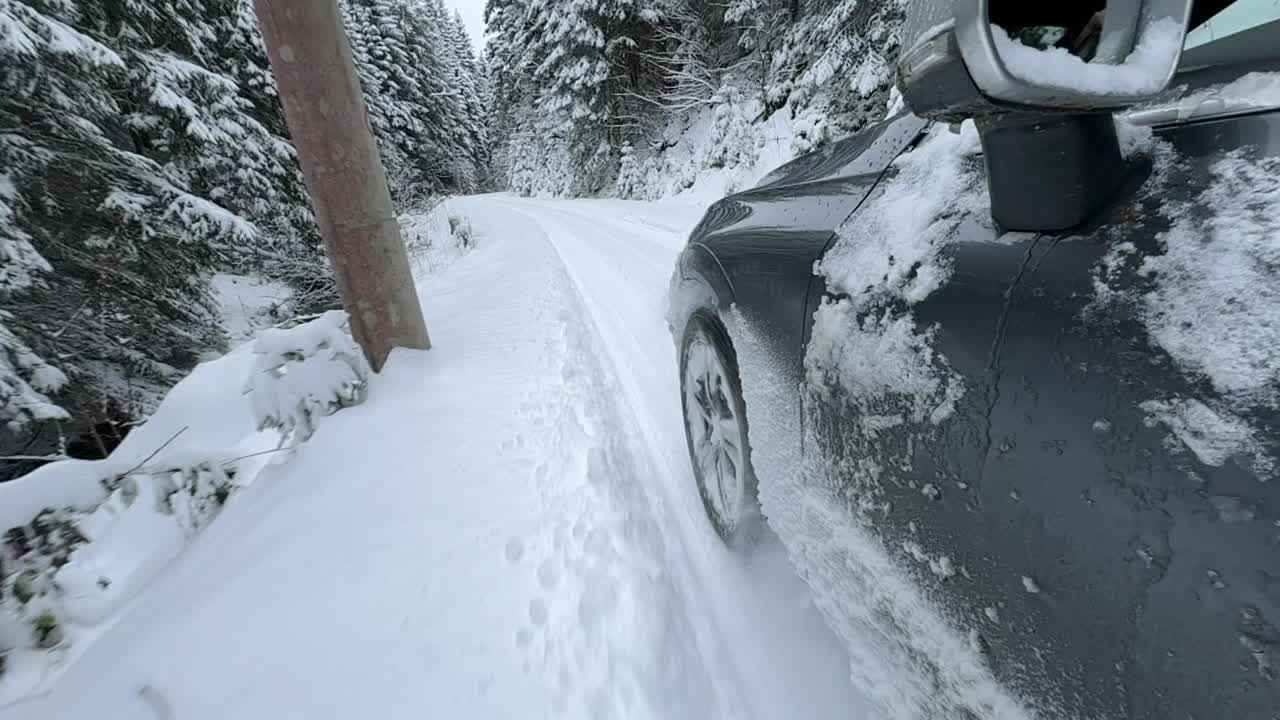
column 754, row 619
column 600, row 631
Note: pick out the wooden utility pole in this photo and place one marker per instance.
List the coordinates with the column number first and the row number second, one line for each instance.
column 312, row 62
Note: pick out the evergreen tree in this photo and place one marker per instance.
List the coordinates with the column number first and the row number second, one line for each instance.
column 420, row 83
column 838, row 57
column 116, row 300
column 583, row 78
column 467, row 79
column 378, row 45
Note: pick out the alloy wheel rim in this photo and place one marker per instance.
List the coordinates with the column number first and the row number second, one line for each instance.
column 715, row 430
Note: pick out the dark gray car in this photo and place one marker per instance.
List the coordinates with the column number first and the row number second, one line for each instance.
column 1083, row 493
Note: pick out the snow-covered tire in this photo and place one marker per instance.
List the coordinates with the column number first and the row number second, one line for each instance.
column 715, row 427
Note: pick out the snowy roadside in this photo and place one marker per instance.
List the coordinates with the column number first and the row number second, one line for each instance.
column 82, row 538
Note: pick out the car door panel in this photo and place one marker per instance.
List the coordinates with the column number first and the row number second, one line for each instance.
column 1102, row 568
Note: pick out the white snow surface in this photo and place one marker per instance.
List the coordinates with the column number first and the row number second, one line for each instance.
column 508, row 527
column 249, row 304
column 1144, row 72
column 1214, row 436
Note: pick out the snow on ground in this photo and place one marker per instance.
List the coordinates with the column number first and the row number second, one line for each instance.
column 203, row 416
column 248, row 304
column 508, row 526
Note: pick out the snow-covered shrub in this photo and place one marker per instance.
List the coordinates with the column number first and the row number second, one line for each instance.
column 71, row 567
column 304, row 373
column 460, row 229
column 732, row 141
column 30, row 558
column 631, row 180
column 195, row 492
column 437, row 237
column 813, row 128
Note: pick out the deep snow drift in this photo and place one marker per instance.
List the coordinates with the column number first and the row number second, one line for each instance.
column 508, row 526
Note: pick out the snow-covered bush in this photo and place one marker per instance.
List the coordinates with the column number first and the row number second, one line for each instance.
column 195, row 492
column 305, row 373
column 731, row 142
column 631, row 183
column 30, row 558
column 70, row 567
column 78, row 539
column 437, row 237
column 460, row 230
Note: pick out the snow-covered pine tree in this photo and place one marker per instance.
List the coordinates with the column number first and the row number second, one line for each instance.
column 289, row 247
column 421, row 91
column 447, row 161
column 561, row 71
column 584, row 77
column 377, row 37
column 113, row 295
column 508, row 79
column 836, row 60
column 470, row 105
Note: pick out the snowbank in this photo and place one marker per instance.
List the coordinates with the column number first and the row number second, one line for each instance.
column 438, row 237
column 83, row 537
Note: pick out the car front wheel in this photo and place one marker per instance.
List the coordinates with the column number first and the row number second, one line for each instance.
column 715, row 422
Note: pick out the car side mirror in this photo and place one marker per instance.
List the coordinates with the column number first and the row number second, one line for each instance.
column 1041, row 80
column 968, row 58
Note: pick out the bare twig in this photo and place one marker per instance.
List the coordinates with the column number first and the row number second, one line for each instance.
column 232, row 461
column 158, row 450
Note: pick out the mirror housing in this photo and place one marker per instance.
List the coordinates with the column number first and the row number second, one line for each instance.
column 1043, row 113
column 959, row 63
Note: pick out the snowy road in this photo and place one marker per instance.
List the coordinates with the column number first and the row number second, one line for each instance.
column 508, row 528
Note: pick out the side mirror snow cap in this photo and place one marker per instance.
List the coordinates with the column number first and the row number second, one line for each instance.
column 961, row 62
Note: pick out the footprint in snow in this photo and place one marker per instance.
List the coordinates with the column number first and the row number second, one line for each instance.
column 514, row 550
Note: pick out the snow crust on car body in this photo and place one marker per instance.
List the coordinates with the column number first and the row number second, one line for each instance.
column 1254, row 91
column 888, row 256
column 1208, row 296
column 906, row 653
